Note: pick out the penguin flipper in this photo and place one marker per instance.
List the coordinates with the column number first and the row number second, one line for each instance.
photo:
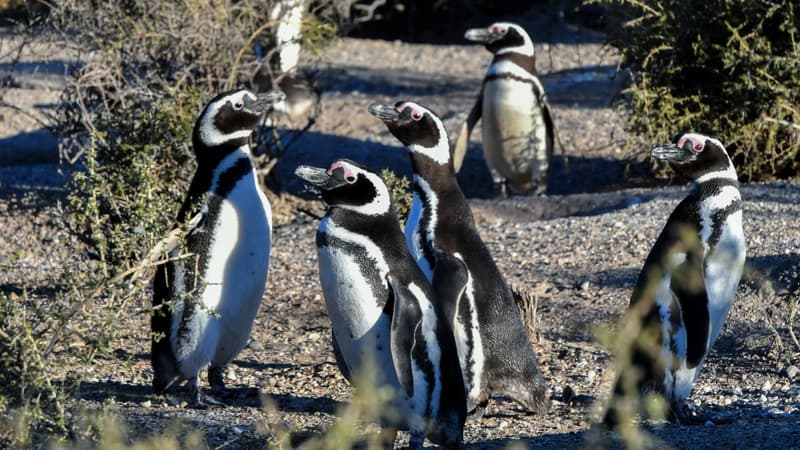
column 162, row 357
column 688, row 285
column 550, row 127
column 406, row 318
column 450, row 278
column 460, row 149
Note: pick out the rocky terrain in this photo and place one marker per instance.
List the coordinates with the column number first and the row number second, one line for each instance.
column 578, row 249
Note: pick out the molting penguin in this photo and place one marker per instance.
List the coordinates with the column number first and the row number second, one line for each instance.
column 687, row 284
column 496, row 355
column 205, row 300
column 382, row 306
column 517, row 120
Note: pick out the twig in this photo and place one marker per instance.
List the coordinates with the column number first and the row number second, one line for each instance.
column 152, row 259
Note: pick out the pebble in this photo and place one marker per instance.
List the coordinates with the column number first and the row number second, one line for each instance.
column 255, row 345
column 708, row 424
column 147, row 404
column 766, row 387
column 791, row 372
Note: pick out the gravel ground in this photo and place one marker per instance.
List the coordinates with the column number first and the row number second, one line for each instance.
column 579, row 248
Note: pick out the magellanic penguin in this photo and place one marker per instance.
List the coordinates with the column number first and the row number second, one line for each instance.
column 496, row 355
column 687, row 284
column 382, row 306
column 518, row 129
column 206, row 297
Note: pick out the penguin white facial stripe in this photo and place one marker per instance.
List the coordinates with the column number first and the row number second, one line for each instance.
column 525, row 49
column 382, row 202
column 209, row 133
column 440, row 153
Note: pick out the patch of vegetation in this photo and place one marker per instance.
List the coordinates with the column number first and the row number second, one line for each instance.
column 399, row 190
column 727, row 68
column 144, row 70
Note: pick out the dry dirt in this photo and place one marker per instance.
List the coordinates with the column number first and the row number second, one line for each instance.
column 579, row 248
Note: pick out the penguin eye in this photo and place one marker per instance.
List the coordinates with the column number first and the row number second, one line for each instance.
column 698, row 146
column 350, row 179
column 238, row 105
column 416, row 115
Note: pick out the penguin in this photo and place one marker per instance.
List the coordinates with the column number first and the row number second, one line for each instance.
column 280, row 66
column 382, row 306
column 206, row 296
column 687, row 285
column 518, row 130
column 495, row 353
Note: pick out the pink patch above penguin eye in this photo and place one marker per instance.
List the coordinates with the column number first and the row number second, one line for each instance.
column 697, row 145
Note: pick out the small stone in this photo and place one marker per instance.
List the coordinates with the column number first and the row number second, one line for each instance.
column 708, row 424
column 763, row 398
column 766, row 387
column 590, row 376
column 255, row 345
column 792, row 371
column 737, row 391
column 314, row 336
column 585, row 286
column 147, row 404
column 174, row 401
column 502, row 424
column 231, row 375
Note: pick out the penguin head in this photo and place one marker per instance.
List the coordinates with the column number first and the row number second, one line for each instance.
column 417, row 127
column 350, row 186
column 230, row 117
column 694, row 155
column 502, row 37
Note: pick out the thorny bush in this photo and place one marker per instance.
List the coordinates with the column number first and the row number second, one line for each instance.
column 728, row 68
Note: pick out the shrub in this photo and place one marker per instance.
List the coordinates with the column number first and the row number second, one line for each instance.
column 399, row 190
column 729, row 68
column 125, row 120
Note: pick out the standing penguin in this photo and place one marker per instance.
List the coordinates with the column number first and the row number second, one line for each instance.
column 381, row 305
column 205, row 302
column 496, row 355
column 517, row 122
column 687, row 284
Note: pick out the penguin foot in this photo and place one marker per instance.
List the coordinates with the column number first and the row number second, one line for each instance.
column 197, row 399
column 686, row 415
column 205, row 402
column 500, row 189
column 416, row 441
column 216, row 378
column 478, row 412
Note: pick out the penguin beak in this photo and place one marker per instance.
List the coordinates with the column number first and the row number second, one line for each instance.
column 479, row 35
column 673, row 153
column 264, row 102
column 319, row 177
column 386, row 113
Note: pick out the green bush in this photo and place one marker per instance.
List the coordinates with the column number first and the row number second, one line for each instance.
column 729, row 68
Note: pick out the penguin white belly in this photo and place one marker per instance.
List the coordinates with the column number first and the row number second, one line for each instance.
column 234, row 279
column 513, row 128
column 359, row 324
column 723, row 269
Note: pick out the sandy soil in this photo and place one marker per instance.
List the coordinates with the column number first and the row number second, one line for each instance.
column 580, row 248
